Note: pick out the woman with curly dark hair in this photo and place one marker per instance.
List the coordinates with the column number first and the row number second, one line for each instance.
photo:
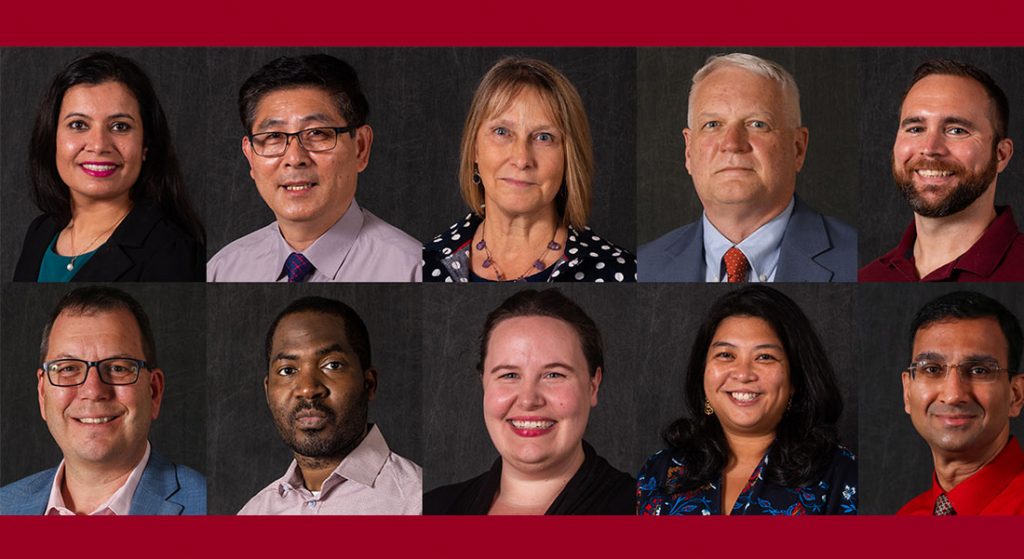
column 761, row 434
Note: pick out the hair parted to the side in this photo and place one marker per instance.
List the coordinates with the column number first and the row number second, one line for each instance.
column 756, row 65
column 497, row 90
column 806, row 436
column 87, row 301
column 967, row 305
column 333, row 75
column 946, row 67
column 355, row 329
column 549, row 303
column 160, row 180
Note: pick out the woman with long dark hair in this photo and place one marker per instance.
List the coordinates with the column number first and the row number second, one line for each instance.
column 761, row 434
column 105, row 175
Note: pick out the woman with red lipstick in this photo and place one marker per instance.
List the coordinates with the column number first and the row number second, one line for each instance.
column 525, row 173
column 541, row 365
column 761, row 435
column 105, row 175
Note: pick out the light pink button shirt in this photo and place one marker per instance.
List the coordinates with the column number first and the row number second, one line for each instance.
column 119, row 504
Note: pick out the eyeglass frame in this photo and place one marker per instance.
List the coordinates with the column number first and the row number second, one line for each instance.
column 338, row 131
column 140, row 363
column 912, row 369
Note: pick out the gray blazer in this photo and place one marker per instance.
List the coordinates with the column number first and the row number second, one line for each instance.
column 814, row 248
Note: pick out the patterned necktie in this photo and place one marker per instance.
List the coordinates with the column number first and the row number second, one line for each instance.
column 943, row 507
column 736, row 265
column 297, row 267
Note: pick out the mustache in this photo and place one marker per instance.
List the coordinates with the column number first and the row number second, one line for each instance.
column 935, row 165
column 316, row 405
column 967, row 408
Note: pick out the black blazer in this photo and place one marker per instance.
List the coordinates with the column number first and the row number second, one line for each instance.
column 146, row 246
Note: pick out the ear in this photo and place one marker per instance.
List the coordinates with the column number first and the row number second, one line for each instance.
column 144, row 152
column 906, row 391
column 1004, row 151
column 686, row 152
column 266, row 388
column 370, row 383
column 802, row 134
column 595, row 386
column 249, row 155
column 156, row 391
column 41, row 383
column 1016, row 394
column 364, row 141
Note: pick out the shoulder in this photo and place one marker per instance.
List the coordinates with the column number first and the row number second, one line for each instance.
column 404, row 479
column 456, row 498
column 258, row 503
column 27, row 495
column 652, row 480
column 235, row 253
column 444, row 245
column 664, row 258
column 920, row 505
column 390, row 244
column 595, row 259
column 37, row 238
column 377, row 230
column 172, row 254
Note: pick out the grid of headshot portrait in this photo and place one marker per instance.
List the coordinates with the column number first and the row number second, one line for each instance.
column 151, row 199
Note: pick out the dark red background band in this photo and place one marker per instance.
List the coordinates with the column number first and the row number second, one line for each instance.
column 519, row 22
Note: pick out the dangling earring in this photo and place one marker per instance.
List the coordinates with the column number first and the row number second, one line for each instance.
column 789, row 404
column 476, row 175
column 708, row 410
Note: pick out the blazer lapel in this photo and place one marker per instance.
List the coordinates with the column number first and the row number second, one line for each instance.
column 804, row 240
column 687, row 254
column 159, row 482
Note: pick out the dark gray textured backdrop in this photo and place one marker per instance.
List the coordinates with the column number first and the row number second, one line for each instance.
column 895, row 461
column 884, row 213
column 648, row 331
column 829, row 99
column 177, row 315
column 245, row 451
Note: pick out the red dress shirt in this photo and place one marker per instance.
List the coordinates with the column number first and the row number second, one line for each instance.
column 997, row 256
column 998, row 488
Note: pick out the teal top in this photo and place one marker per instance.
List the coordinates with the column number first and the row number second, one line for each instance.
column 54, row 268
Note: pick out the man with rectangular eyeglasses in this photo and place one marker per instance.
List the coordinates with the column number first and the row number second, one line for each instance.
column 961, row 390
column 306, row 141
column 99, row 390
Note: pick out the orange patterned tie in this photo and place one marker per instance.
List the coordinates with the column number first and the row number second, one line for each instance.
column 736, row 265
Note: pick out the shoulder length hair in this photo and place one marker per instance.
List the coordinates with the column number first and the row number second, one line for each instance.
column 806, row 436
column 160, row 181
column 496, row 91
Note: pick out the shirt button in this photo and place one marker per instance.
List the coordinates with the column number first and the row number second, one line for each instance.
column 764, row 278
column 311, row 504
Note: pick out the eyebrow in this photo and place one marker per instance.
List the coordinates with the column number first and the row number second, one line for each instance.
column 327, row 350
column 315, row 117
column 113, row 116
column 759, row 346
column 552, row 365
column 935, row 356
column 945, row 121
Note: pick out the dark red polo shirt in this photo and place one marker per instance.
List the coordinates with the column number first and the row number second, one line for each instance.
column 998, row 488
column 997, row 256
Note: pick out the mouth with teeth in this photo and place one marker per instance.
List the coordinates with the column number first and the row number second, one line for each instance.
column 934, row 173
column 531, row 426
column 299, row 186
column 97, row 169
column 96, row 420
column 744, row 398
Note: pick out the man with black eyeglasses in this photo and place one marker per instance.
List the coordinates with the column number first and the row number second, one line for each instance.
column 99, row 389
column 306, row 141
column 961, row 390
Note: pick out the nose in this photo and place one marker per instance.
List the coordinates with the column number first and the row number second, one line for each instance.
column 954, row 387
column 98, row 140
column 530, row 395
column 294, row 154
column 94, row 388
column 743, row 371
column 934, row 143
column 522, row 153
column 310, row 385
column 735, row 138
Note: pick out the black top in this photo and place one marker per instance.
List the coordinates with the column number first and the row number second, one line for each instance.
column 596, row 488
column 146, row 246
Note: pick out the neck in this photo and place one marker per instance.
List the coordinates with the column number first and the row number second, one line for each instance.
column 526, row 230
column 747, row 449
column 86, row 487
column 95, row 216
column 301, row 234
column 316, row 470
column 952, row 468
column 940, row 240
column 736, row 223
column 530, row 490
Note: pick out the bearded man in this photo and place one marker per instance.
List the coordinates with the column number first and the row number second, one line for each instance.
column 949, row 151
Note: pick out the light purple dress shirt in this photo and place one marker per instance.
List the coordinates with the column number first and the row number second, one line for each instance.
column 370, row 480
column 360, row 247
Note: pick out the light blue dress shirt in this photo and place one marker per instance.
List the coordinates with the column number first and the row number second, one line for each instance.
column 761, row 248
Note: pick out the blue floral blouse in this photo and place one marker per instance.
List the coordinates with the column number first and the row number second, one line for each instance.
column 834, row 493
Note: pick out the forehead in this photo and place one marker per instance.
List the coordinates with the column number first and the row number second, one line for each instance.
column 962, row 337
column 106, row 97
column 737, row 89
column 542, row 337
column 309, row 329
column 297, row 104
column 942, row 96
column 521, row 97
column 113, row 331
column 746, row 329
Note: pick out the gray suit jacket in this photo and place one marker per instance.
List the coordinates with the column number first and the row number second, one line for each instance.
column 165, row 489
column 814, row 248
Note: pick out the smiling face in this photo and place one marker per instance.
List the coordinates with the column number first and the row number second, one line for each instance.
column 945, row 157
column 96, row 424
column 520, row 156
column 99, row 142
column 746, row 376
column 743, row 145
column 960, row 419
column 311, row 190
column 316, row 387
column 537, row 393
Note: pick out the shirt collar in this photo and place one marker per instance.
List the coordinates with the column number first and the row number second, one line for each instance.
column 362, row 466
column 972, row 495
column 120, row 503
column 328, row 252
column 762, row 247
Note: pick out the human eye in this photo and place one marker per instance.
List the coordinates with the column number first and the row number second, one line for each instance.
column 554, row 375
column 333, row 365
column 914, row 129
column 957, row 131
column 508, row 375
column 724, row 355
column 931, row 369
column 120, row 126
column 980, row 371
column 286, row 371
column 65, row 367
column 711, row 125
column 758, row 125
column 501, row 131
column 546, row 137
column 766, row 357
column 78, row 125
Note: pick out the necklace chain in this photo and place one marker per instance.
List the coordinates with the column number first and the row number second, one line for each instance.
column 538, row 264
column 71, row 265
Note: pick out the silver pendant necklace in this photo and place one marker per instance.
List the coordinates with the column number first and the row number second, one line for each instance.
column 71, row 264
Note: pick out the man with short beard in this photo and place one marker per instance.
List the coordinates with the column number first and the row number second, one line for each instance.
column 319, row 385
column 961, row 389
column 949, row 151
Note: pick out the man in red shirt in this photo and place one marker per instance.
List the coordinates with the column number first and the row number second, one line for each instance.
column 961, row 390
column 949, row 151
